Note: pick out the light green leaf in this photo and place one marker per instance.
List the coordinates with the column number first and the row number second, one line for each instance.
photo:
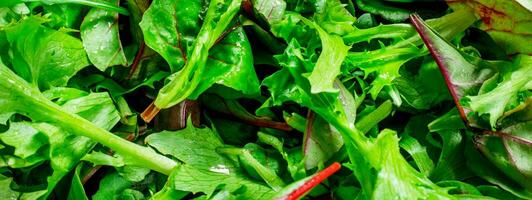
column 327, row 67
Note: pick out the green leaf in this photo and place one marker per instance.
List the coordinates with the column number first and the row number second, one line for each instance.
column 101, row 39
column 230, row 63
column 510, row 151
column 334, row 18
column 320, row 142
column 169, row 29
column 25, row 138
column 76, row 187
column 113, row 186
column 270, row 10
column 381, row 8
column 194, row 76
column 42, row 56
column 204, row 170
column 5, row 189
column 94, row 3
column 418, row 153
column 463, row 74
column 482, row 167
column 64, row 15
column 377, row 163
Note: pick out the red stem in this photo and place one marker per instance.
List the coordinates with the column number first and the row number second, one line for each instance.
column 314, row 181
column 150, row 112
column 137, row 60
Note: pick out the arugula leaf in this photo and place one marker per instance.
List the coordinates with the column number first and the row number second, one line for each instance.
column 44, row 57
column 204, row 170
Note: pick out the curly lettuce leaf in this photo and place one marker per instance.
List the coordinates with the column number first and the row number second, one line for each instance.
column 377, row 163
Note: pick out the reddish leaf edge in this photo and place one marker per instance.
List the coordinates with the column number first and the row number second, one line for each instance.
column 424, row 30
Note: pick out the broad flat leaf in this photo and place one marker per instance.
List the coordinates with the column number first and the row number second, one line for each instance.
column 42, row 56
column 99, row 33
column 507, row 22
column 388, row 12
column 510, row 150
column 170, row 27
column 204, row 170
column 192, row 73
column 230, row 63
column 25, row 138
column 425, row 89
column 5, row 189
column 463, row 74
column 64, row 15
column 484, row 168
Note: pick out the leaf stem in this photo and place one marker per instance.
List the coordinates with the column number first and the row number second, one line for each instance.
column 314, row 181
column 143, row 156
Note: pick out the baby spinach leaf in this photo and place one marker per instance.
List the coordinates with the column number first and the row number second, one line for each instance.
column 99, row 33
